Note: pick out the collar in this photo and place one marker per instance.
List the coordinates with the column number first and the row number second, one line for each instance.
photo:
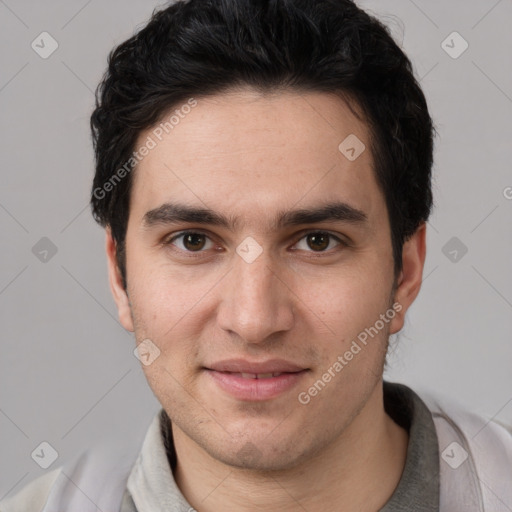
column 418, row 488
column 151, row 486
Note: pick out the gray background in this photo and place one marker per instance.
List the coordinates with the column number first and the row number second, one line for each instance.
column 68, row 374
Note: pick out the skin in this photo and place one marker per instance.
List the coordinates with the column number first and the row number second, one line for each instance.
column 250, row 155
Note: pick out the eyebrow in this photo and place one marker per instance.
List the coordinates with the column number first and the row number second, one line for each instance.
column 172, row 213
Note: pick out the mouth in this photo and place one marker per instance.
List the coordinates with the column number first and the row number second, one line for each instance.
column 256, row 375
column 255, row 381
column 250, row 368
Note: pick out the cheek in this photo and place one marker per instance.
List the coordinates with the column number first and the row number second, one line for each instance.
column 174, row 367
column 161, row 295
column 347, row 302
column 165, row 317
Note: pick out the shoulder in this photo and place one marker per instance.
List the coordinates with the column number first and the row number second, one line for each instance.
column 94, row 479
column 475, row 455
column 476, row 428
column 33, row 496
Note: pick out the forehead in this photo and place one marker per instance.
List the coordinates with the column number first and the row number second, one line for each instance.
column 247, row 154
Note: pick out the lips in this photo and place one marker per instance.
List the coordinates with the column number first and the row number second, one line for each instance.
column 258, row 368
column 255, row 380
column 258, row 375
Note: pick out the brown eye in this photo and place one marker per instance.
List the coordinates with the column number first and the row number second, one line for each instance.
column 193, row 241
column 190, row 241
column 318, row 241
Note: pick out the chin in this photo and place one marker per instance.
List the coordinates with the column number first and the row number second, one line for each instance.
column 259, row 453
column 250, row 457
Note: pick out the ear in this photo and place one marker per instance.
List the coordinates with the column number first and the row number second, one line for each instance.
column 411, row 276
column 116, row 284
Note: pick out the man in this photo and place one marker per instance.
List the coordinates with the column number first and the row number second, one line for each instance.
column 263, row 174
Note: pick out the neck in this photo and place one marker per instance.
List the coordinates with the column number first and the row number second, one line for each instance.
column 359, row 470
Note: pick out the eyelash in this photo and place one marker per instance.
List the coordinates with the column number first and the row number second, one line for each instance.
column 194, row 254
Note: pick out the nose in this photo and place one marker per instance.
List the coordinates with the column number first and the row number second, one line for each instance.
column 257, row 301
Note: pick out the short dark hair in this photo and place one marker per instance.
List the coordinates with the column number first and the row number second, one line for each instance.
column 198, row 48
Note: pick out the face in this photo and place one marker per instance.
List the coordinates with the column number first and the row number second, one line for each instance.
column 256, row 248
